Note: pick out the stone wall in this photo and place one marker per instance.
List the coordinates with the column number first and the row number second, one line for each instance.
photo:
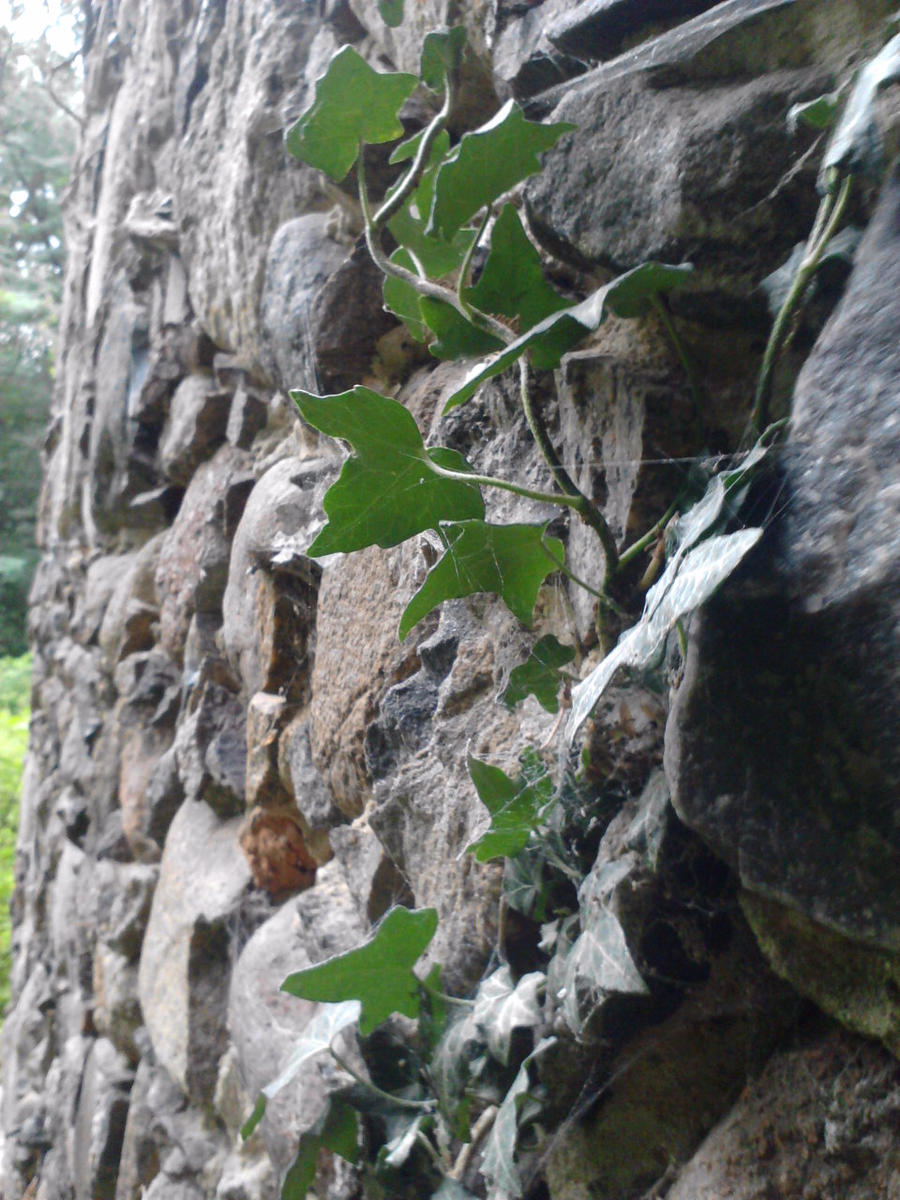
column 236, row 768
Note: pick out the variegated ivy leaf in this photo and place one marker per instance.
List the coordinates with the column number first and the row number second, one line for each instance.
column 502, row 1006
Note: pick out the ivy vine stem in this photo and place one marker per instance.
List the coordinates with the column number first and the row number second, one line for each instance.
column 650, row 536
column 424, row 287
column 828, row 217
column 557, row 498
column 576, row 499
column 459, row 1001
column 398, row 1101
column 410, row 182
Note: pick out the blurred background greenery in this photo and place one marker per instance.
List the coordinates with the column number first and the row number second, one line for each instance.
column 40, row 84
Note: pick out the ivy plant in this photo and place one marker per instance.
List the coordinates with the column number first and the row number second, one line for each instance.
column 473, row 1083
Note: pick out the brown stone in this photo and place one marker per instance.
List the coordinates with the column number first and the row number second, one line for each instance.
column 280, row 862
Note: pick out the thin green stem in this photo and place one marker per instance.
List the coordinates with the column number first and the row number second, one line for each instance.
column 582, row 583
column 399, row 1101
column 684, row 358
column 465, row 269
column 411, row 180
column 638, row 547
column 459, row 1001
column 557, row 498
column 576, row 499
column 831, row 210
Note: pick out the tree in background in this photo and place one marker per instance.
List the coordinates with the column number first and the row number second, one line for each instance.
column 38, row 97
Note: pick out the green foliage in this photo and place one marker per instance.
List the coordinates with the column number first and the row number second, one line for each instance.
column 856, row 145
column 540, row 676
column 354, row 105
column 15, row 685
column 447, row 198
column 379, row 974
column 516, row 805
column 487, row 163
column 511, row 561
column 628, row 295
column 389, row 489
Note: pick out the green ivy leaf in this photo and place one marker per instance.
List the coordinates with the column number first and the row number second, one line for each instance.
column 498, row 1163
column 515, row 805
column 629, row 295
column 599, row 964
column 686, row 584
column 487, row 163
column 502, row 1006
column 433, row 256
column 540, row 676
column 337, row 1131
column 524, row 885
column 455, row 337
column 318, row 1035
column 817, row 114
column 354, row 105
column 856, row 146
column 387, row 491
column 402, row 299
column 379, row 974
column 512, row 283
column 442, row 53
column 450, row 1071
column 391, row 12
column 510, row 561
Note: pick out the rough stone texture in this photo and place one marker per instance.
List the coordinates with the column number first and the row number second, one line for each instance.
column 797, row 674
column 220, row 723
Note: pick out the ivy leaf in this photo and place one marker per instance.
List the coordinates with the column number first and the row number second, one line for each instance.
column 540, row 676
column 816, row 114
column 394, row 1153
column 599, row 963
column 498, row 1163
column 379, row 974
column 387, row 491
column 336, row 1131
column 354, row 105
column 318, row 1035
column 524, row 885
column 402, row 299
column 856, row 146
column 502, row 1006
column 511, row 561
column 433, row 256
column 512, row 283
column 452, row 1189
column 515, row 805
column 685, row 585
column 629, row 295
column 442, row 53
column 455, row 336
column 488, row 162
column 450, row 1071
column 391, row 12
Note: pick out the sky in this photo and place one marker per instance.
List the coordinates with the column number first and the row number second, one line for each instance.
column 27, row 20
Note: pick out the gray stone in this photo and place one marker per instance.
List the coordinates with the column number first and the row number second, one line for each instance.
column 524, row 59
column 596, row 29
column 712, row 179
column 198, row 415
column 193, row 560
column 184, row 960
column 782, row 748
column 265, row 1022
column 100, row 1122
column 246, row 418
column 268, row 608
column 311, row 795
column 211, row 748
